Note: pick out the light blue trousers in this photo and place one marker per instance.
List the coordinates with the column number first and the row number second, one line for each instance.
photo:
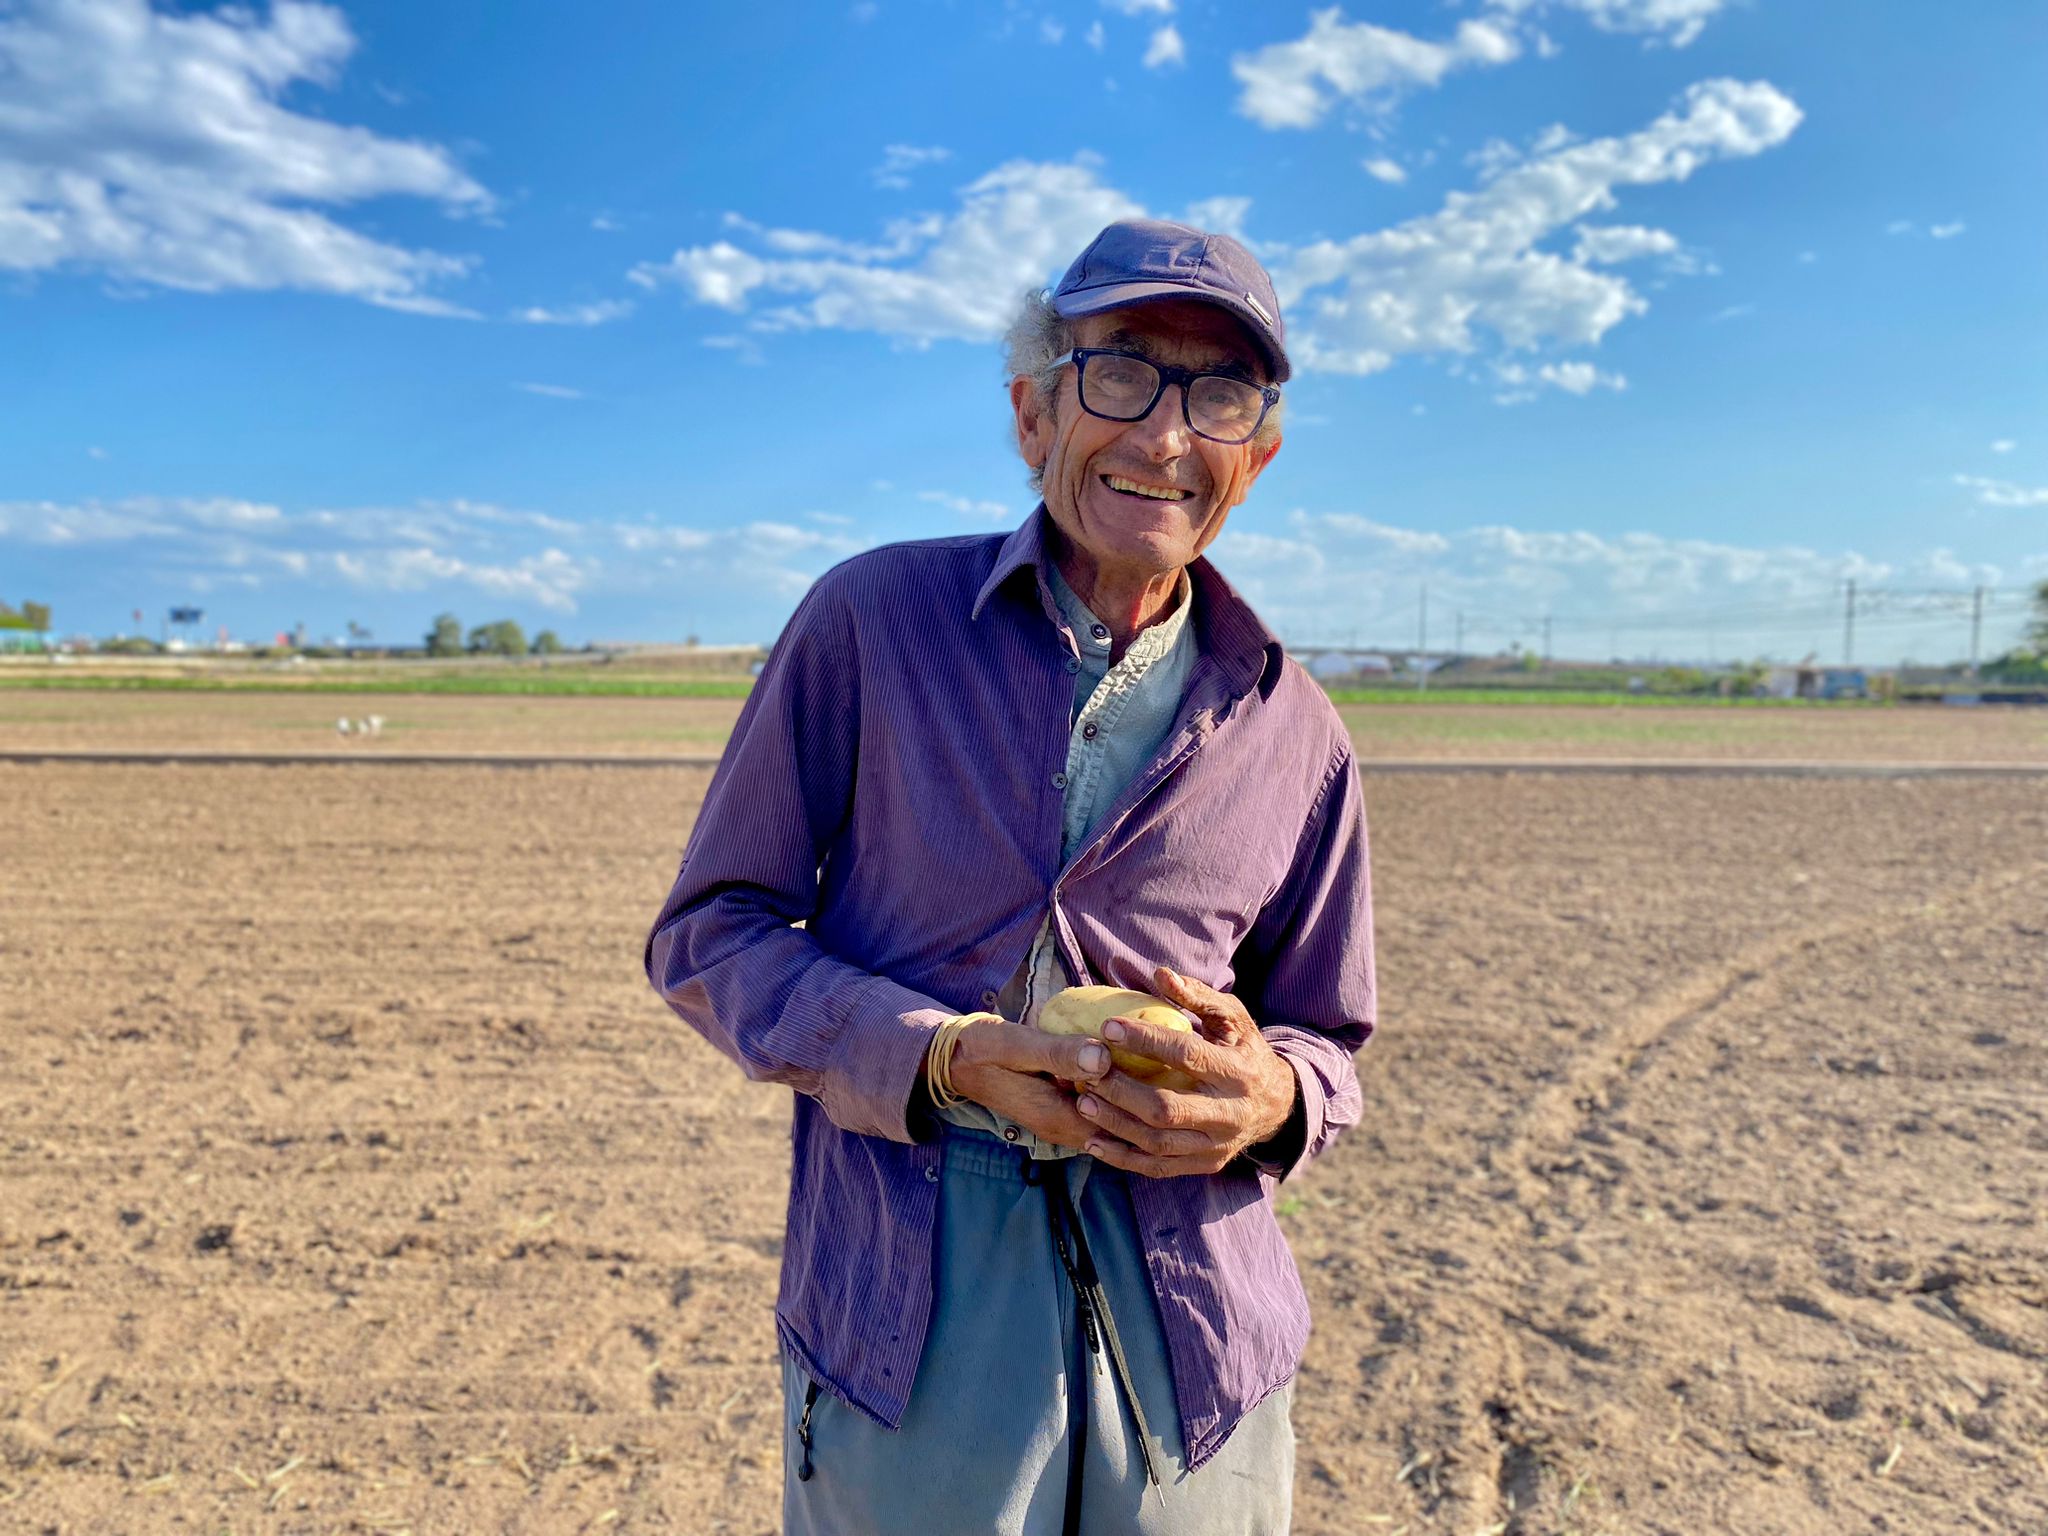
column 985, row 1445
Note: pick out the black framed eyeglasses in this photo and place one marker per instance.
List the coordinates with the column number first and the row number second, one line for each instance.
column 1123, row 386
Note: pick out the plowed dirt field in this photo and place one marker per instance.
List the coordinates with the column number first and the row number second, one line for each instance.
column 673, row 727
column 351, row 1178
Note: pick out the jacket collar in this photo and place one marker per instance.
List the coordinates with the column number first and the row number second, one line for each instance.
column 1227, row 630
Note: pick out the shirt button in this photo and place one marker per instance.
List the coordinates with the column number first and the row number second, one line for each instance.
column 931, row 1174
column 1009, row 1133
column 988, row 999
column 1073, row 663
column 1088, row 731
column 1099, row 631
column 1059, row 781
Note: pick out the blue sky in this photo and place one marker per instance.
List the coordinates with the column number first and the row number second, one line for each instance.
column 1662, row 318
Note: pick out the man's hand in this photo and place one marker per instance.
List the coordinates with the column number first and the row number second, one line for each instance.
column 1242, row 1096
column 1010, row 1069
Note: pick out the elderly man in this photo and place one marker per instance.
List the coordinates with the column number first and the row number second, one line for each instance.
column 1022, row 1290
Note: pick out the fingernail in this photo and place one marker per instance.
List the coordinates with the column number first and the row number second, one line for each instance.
column 1113, row 1030
column 1097, row 1148
column 1093, row 1058
column 1086, row 1104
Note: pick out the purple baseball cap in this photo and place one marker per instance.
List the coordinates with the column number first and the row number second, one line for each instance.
column 1135, row 261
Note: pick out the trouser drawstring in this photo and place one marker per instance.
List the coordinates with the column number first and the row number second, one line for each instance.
column 1098, row 1327
column 803, row 1431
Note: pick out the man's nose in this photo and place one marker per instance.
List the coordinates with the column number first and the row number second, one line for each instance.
column 1163, row 434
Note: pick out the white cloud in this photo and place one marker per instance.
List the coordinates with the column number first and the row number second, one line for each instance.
column 2004, row 493
column 1294, row 84
column 552, row 391
column 550, row 579
column 519, row 556
column 1731, row 312
column 1051, row 32
column 101, row 453
column 1616, row 243
column 153, row 146
column 745, row 348
column 1095, row 36
column 1899, row 227
column 899, row 160
column 600, row 313
column 984, row 511
column 1521, row 384
column 1381, row 168
column 1141, row 7
column 1263, row 551
column 901, row 237
column 1166, row 48
column 2001, row 445
column 1340, row 577
column 1673, row 22
column 605, row 224
column 1407, row 541
column 1224, row 214
column 1435, row 282
column 214, row 541
column 1947, row 231
column 956, row 278
column 1472, row 275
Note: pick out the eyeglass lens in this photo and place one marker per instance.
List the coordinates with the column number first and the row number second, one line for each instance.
column 1124, row 388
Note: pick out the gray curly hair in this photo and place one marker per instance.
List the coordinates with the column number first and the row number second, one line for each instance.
column 1038, row 336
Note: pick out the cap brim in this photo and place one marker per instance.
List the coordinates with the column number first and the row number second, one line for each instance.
column 1096, row 301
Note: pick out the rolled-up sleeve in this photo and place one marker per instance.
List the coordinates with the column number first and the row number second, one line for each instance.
column 726, row 952
column 1305, row 971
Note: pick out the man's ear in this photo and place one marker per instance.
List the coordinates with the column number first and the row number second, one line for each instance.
column 1034, row 422
column 1265, row 457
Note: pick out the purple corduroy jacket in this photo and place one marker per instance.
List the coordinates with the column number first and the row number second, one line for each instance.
column 893, row 787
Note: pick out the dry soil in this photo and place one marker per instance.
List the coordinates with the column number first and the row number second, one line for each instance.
column 352, row 1180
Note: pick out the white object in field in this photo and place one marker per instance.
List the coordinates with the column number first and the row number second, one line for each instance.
column 376, row 725
column 1084, row 1010
column 342, row 725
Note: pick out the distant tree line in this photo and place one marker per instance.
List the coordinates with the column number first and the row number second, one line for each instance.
column 500, row 637
column 35, row 616
column 2028, row 661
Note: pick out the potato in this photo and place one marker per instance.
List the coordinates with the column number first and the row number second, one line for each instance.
column 1084, row 1010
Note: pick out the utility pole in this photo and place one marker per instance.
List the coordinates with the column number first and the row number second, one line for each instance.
column 1422, row 656
column 1976, row 627
column 1849, row 625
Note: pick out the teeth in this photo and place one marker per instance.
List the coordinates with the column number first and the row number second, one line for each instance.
column 1157, row 493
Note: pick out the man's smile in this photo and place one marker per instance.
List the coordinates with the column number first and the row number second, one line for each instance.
column 1126, row 487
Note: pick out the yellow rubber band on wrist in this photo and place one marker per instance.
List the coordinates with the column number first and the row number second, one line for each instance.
column 938, row 1061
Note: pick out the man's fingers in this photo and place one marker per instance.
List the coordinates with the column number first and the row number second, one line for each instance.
column 1119, row 1154
column 1095, row 1106
column 1046, row 1112
column 1175, row 1110
column 1222, row 1015
column 1194, row 1054
column 1018, row 1049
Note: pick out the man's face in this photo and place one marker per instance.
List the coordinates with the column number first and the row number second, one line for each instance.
column 1087, row 458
